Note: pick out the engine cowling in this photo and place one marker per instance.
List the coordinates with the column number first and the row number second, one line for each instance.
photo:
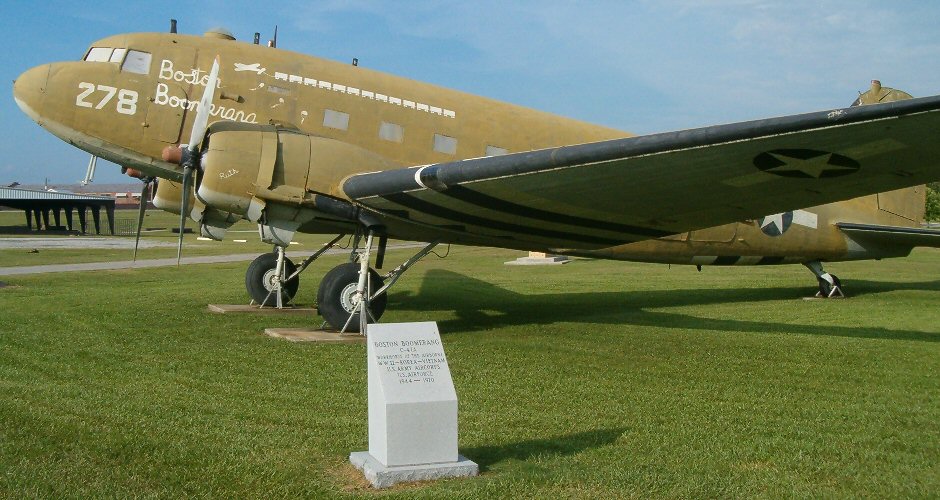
column 242, row 162
column 168, row 196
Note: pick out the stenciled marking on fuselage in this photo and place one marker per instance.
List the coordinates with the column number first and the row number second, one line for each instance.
column 195, row 76
column 433, row 210
column 514, row 209
column 256, row 68
column 348, row 90
column 164, row 98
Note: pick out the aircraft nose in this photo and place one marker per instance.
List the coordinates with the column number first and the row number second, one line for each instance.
column 29, row 89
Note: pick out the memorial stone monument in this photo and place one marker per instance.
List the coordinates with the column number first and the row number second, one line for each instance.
column 412, row 408
column 539, row 259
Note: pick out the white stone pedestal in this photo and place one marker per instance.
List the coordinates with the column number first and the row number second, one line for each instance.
column 382, row 476
column 412, row 408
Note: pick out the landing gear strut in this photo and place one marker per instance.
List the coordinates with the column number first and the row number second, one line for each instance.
column 352, row 295
column 266, row 279
column 345, row 291
column 338, row 299
column 272, row 279
column 829, row 284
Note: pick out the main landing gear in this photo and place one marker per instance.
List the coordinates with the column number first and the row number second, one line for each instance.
column 345, row 291
column 272, row 279
column 829, row 284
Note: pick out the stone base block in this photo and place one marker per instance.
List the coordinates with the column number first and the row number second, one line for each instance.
column 251, row 308
column 382, row 476
column 311, row 335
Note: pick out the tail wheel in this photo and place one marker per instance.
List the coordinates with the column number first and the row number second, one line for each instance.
column 336, row 298
column 825, row 288
column 261, row 279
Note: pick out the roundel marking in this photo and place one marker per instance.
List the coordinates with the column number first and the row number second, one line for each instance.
column 805, row 163
column 777, row 224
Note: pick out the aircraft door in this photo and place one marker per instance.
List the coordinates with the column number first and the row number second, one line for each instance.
column 172, row 90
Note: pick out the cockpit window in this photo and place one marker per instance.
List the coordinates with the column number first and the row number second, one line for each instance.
column 136, row 62
column 118, row 55
column 99, row 54
column 132, row 61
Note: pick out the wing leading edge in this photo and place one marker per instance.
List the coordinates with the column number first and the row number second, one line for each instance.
column 613, row 192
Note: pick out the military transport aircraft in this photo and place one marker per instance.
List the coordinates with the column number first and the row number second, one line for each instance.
column 299, row 143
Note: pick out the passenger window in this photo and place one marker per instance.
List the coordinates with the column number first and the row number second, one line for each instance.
column 335, row 119
column 137, row 62
column 99, row 54
column 391, row 132
column 495, row 151
column 445, row 144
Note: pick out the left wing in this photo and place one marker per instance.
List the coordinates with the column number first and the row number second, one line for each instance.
column 613, row 192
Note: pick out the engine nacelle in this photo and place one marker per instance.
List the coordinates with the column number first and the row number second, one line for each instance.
column 242, row 162
column 213, row 223
column 168, row 196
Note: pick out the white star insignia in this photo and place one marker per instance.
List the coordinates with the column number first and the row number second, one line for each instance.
column 776, row 219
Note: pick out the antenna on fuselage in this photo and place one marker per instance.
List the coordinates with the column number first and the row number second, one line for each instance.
column 172, row 25
column 273, row 43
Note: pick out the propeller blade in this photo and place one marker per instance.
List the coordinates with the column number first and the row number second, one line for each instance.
column 184, row 201
column 202, row 113
column 144, row 196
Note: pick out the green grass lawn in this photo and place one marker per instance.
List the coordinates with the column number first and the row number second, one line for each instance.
column 594, row 379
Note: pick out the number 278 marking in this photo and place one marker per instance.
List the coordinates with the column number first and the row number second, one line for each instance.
column 127, row 99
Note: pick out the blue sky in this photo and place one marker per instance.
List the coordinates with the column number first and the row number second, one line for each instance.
column 641, row 66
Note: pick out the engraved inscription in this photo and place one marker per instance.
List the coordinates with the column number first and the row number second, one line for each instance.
column 412, row 361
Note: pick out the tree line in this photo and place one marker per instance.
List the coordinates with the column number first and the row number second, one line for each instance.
column 933, row 202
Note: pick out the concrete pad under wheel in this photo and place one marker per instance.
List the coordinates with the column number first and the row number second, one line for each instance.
column 252, row 308
column 314, row 335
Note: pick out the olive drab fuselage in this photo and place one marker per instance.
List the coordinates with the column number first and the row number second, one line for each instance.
column 288, row 125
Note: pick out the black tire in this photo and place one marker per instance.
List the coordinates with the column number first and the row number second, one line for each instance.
column 825, row 288
column 335, row 293
column 259, row 280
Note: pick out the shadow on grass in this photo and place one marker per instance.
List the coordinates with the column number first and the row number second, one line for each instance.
column 479, row 305
column 487, row 456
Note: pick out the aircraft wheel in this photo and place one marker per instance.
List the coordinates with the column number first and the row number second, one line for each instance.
column 337, row 293
column 825, row 288
column 261, row 278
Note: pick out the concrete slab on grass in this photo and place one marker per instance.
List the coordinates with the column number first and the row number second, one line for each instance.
column 246, row 308
column 546, row 261
column 313, row 335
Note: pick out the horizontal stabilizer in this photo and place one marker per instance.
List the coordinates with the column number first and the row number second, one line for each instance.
column 892, row 235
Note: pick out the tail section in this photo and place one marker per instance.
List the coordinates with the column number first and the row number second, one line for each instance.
column 908, row 203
